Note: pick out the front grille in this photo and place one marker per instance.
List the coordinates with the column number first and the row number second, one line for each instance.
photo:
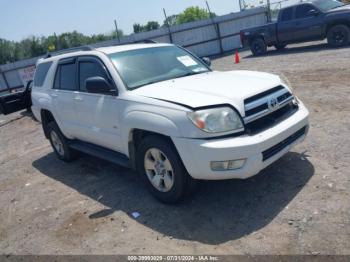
column 282, row 145
column 267, row 108
column 270, row 120
column 266, row 93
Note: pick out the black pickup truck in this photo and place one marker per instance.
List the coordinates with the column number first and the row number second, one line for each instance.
column 307, row 21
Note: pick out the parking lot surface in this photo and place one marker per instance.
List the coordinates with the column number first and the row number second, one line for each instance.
column 299, row 205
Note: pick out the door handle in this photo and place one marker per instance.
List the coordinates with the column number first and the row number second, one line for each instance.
column 77, row 98
column 54, row 95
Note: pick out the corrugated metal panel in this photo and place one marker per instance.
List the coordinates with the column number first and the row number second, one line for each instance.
column 234, row 26
column 206, row 49
column 19, row 64
column 162, row 39
column 194, row 36
column 231, row 43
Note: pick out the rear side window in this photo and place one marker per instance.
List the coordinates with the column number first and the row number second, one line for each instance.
column 40, row 73
column 66, row 77
column 302, row 11
column 287, row 14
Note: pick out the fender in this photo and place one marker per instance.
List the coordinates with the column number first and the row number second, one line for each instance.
column 149, row 122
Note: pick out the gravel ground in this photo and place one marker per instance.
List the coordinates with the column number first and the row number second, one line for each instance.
column 299, row 205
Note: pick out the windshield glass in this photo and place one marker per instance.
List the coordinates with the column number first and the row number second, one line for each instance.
column 326, row 5
column 151, row 65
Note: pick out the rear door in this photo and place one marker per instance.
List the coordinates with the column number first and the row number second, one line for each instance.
column 308, row 23
column 98, row 114
column 285, row 25
column 63, row 93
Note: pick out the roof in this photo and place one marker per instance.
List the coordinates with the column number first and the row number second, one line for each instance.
column 106, row 50
column 121, row 48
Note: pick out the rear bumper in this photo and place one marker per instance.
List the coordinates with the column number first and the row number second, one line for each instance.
column 259, row 150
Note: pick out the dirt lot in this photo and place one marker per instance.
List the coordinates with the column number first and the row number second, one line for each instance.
column 299, row 205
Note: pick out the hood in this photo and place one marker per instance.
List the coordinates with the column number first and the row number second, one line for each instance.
column 212, row 88
column 345, row 8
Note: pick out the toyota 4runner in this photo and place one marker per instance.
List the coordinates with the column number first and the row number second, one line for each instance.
column 162, row 111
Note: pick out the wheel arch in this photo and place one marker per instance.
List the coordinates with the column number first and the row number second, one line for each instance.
column 257, row 36
column 46, row 117
column 337, row 22
column 141, row 124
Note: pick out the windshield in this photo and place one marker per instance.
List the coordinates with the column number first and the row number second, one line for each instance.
column 326, row 5
column 151, row 65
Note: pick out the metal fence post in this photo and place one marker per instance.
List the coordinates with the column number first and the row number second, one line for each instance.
column 217, row 28
column 168, row 26
column 268, row 11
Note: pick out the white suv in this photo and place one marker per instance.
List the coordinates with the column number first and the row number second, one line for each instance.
column 161, row 110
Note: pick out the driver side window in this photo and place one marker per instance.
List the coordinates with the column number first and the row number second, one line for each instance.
column 89, row 69
column 303, row 11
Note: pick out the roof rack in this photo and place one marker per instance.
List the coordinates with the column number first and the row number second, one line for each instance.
column 90, row 48
column 70, row 50
column 148, row 41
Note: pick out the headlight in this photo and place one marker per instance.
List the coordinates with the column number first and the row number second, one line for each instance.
column 216, row 120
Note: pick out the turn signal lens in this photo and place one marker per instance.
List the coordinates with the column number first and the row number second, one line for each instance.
column 227, row 165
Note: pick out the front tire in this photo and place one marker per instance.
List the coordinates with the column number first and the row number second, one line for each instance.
column 59, row 143
column 338, row 36
column 161, row 168
column 258, row 47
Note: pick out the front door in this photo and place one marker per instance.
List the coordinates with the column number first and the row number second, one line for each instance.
column 308, row 23
column 98, row 114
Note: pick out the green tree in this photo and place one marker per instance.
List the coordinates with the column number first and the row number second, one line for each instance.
column 151, row 25
column 137, row 28
column 11, row 51
column 191, row 14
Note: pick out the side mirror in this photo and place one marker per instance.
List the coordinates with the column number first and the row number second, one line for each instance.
column 207, row 61
column 313, row 12
column 98, row 85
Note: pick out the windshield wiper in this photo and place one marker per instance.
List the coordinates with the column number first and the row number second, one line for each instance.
column 145, row 84
column 156, row 81
column 190, row 74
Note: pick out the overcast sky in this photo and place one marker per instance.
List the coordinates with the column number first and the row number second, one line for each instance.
column 22, row 18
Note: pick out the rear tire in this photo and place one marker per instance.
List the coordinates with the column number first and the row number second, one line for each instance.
column 59, row 143
column 161, row 168
column 258, row 47
column 338, row 36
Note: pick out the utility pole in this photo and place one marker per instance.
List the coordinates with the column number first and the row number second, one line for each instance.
column 268, row 11
column 168, row 26
column 217, row 29
column 116, row 30
column 240, row 5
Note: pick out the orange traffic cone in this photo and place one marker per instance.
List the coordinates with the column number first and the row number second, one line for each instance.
column 237, row 58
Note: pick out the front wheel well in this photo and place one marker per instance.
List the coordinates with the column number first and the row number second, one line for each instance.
column 135, row 138
column 339, row 22
column 46, row 118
